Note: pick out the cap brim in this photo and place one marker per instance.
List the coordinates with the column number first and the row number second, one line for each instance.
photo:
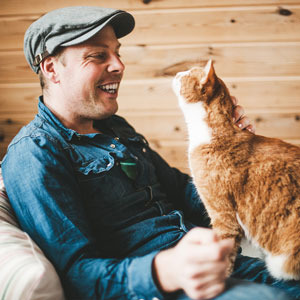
column 123, row 23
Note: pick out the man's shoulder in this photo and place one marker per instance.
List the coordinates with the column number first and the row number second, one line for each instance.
column 37, row 131
column 120, row 120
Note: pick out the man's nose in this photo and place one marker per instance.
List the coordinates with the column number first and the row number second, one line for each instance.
column 115, row 65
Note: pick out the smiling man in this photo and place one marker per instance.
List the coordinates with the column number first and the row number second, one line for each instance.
column 115, row 220
column 84, row 81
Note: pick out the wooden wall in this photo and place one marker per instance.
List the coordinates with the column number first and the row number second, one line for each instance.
column 255, row 45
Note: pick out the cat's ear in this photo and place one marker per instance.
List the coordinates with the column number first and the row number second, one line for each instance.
column 208, row 73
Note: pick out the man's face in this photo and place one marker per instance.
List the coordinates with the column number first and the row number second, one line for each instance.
column 89, row 76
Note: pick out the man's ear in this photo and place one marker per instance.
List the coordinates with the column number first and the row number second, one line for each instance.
column 49, row 68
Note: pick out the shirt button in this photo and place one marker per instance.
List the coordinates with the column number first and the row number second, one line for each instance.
column 113, row 146
column 117, row 138
column 144, row 150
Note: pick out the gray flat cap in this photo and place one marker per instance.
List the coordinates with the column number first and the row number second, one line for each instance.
column 70, row 26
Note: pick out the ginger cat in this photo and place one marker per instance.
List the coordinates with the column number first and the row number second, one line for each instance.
column 250, row 184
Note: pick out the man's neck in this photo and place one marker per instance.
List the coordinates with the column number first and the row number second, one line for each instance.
column 80, row 125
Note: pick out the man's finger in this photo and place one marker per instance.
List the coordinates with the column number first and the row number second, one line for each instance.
column 238, row 113
column 251, row 128
column 234, row 100
column 243, row 122
column 201, row 235
column 212, row 252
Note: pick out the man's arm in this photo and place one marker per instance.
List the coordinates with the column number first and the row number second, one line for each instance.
column 45, row 196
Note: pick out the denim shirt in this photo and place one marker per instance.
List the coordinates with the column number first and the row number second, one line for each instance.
column 98, row 220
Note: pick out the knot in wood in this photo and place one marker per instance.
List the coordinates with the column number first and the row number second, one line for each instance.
column 284, row 11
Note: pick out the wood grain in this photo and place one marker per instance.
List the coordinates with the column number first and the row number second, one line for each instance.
column 233, row 59
column 188, row 26
column 13, row 7
column 153, row 95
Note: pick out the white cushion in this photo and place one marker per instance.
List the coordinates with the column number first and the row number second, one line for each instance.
column 6, row 212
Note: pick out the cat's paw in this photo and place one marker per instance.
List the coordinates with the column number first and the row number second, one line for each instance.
column 230, row 267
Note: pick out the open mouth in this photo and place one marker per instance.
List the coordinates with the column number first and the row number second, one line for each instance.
column 110, row 88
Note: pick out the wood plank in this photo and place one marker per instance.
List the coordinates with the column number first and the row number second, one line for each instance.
column 12, row 30
column 19, row 98
column 256, row 94
column 14, row 68
column 174, row 152
column 233, row 60
column 194, row 26
column 13, row 7
column 171, row 126
column 241, row 24
column 9, row 127
column 239, row 59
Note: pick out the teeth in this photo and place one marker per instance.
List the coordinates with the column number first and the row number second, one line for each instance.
column 110, row 88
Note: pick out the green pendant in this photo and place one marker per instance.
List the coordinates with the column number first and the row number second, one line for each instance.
column 129, row 168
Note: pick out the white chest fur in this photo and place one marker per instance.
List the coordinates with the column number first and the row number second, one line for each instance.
column 195, row 115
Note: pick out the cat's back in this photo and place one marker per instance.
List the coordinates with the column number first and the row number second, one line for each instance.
column 265, row 149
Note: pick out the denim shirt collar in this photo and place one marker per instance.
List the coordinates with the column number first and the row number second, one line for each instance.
column 113, row 125
column 45, row 113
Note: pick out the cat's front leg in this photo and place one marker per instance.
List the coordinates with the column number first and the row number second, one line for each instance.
column 232, row 256
column 227, row 227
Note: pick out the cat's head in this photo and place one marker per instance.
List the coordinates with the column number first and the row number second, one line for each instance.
column 197, row 84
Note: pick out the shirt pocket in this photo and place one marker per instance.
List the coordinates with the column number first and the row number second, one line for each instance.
column 109, row 196
column 100, row 179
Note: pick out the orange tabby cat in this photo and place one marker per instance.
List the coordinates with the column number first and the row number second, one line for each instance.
column 250, row 184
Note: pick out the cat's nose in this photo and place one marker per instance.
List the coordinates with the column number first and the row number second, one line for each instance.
column 176, row 84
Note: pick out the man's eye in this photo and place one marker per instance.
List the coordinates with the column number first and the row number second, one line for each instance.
column 99, row 56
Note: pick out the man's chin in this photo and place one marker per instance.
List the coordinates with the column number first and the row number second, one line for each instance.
column 104, row 115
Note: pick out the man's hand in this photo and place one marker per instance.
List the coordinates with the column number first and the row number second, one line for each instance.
column 197, row 264
column 239, row 118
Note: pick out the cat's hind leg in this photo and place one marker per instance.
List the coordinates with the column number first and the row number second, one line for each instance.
column 292, row 264
column 283, row 267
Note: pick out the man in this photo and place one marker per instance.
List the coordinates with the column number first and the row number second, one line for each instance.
column 115, row 220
